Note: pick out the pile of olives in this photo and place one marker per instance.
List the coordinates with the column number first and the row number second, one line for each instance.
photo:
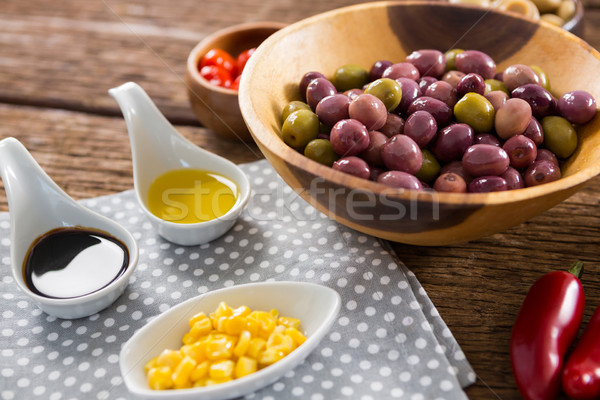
column 448, row 121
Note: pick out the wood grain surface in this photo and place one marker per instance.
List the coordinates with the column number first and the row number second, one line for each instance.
column 58, row 59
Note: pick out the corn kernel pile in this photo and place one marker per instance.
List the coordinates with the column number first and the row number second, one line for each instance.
column 227, row 344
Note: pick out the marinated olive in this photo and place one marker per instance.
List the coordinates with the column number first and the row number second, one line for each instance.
column 452, row 142
column 401, row 70
column 485, row 159
column 294, row 106
column 539, row 99
column 513, row 178
column 497, row 98
column 534, row 131
column 400, row 180
column 487, row 138
column 353, row 93
column 494, row 84
column 544, row 80
column 429, row 62
column 332, row 109
column 354, row 166
column 476, row 61
column 451, row 58
column 450, row 182
column 485, row 184
column 299, row 128
column 421, row 127
column 320, row 150
column 387, row 90
column 317, row 90
column 546, row 6
column 559, row 136
column 541, row 172
column 372, row 154
column 545, row 154
column 377, row 69
column 401, row 153
column 453, row 77
column 440, row 110
column 578, row 106
column 394, row 125
column 518, row 75
column 457, row 168
column 521, row 151
column 410, row 91
column 369, row 110
column 442, row 91
column 512, row 118
column 470, row 83
column 475, row 110
column 430, row 167
column 425, row 81
column 306, row 79
column 349, row 137
column 350, row 76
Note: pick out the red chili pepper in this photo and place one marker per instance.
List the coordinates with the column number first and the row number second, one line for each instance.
column 546, row 326
column 581, row 376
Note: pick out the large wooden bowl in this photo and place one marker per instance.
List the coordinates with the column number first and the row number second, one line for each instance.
column 368, row 32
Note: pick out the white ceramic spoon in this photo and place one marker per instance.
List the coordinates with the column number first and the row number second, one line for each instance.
column 316, row 306
column 37, row 205
column 156, row 148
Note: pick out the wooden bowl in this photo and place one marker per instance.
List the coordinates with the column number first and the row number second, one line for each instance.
column 575, row 24
column 215, row 107
column 369, row 32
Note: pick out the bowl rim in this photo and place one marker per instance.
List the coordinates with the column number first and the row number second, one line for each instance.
column 267, row 138
column 201, row 47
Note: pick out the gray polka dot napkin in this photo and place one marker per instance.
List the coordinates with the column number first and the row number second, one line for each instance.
column 388, row 341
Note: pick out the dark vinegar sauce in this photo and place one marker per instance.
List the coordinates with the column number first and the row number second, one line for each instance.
column 72, row 262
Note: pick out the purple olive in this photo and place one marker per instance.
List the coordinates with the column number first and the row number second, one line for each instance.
column 349, row 137
column 372, row 154
column 317, row 90
column 521, row 151
column 377, row 69
column 353, row 93
column 429, row 62
column 450, row 182
column 578, row 106
column 518, row 75
column 442, row 91
column 513, row 178
column 375, row 172
column 476, row 61
column 332, row 109
column 452, row 142
column 369, row 110
column 539, row 99
column 457, row 168
column 401, row 153
column 306, row 79
column 497, row 98
column 545, row 154
column 486, row 184
column 453, row 77
column 401, row 70
column 485, row 160
column 534, row 131
column 440, row 110
column 354, row 166
column 425, row 81
column 487, row 138
column 410, row 91
column 541, row 172
column 399, row 179
column 471, row 82
column 421, row 127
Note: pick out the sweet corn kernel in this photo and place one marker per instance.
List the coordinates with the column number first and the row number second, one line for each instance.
column 181, row 375
column 245, row 366
column 228, row 343
column 169, row 358
column 160, row 378
column 242, row 344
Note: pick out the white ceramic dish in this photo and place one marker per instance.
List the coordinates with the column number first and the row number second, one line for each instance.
column 316, row 306
column 37, row 205
column 156, row 148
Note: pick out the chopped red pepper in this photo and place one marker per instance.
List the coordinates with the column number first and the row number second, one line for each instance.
column 581, row 376
column 546, row 326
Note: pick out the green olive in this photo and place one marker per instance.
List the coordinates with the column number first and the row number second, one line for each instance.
column 559, row 136
column 544, row 81
column 350, row 76
column 451, row 58
column 475, row 110
column 495, row 84
column 430, row 167
column 299, row 128
column 387, row 90
column 293, row 106
column 320, row 150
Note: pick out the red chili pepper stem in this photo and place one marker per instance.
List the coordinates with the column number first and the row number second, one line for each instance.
column 577, row 269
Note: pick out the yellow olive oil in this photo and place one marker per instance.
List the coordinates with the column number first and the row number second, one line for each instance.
column 188, row 196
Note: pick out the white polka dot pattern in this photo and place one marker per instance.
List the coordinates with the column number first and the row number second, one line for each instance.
column 388, row 342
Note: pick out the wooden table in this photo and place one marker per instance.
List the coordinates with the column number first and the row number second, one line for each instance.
column 57, row 60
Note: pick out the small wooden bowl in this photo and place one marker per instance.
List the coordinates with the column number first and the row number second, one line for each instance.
column 575, row 24
column 369, row 32
column 216, row 107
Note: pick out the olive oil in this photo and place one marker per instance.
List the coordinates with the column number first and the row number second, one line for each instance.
column 189, row 196
column 72, row 262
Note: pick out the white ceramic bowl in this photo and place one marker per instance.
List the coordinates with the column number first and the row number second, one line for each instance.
column 37, row 205
column 316, row 306
column 156, row 148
